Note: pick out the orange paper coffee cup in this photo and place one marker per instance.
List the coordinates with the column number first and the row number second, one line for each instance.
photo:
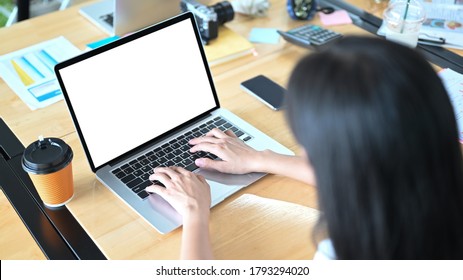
column 49, row 164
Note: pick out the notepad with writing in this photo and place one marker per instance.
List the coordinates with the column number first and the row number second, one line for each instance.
column 228, row 46
column 453, row 82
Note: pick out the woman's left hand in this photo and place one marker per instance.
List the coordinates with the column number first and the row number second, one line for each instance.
column 187, row 192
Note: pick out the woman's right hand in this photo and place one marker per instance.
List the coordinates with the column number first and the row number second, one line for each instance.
column 237, row 157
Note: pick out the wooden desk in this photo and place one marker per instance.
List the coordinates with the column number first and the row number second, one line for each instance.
column 117, row 230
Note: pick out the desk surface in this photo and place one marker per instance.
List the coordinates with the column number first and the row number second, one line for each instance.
column 116, row 229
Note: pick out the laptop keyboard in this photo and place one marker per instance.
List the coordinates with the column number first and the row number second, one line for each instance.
column 135, row 174
column 109, row 19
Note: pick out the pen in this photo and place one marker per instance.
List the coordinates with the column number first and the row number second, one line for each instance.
column 439, row 40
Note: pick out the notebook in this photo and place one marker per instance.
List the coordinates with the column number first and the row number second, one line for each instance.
column 137, row 101
column 119, row 17
column 228, row 46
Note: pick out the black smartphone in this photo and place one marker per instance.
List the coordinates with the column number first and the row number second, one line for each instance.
column 265, row 90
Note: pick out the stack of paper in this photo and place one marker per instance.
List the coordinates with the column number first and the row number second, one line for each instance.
column 444, row 19
column 453, row 82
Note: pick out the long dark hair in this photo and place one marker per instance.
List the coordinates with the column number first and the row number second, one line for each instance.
column 381, row 135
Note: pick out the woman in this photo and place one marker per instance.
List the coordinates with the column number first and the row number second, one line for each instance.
column 381, row 145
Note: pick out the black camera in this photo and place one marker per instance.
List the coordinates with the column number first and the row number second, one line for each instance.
column 208, row 18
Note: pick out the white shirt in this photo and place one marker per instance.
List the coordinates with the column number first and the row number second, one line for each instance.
column 325, row 251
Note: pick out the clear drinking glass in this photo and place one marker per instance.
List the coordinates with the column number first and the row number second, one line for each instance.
column 404, row 19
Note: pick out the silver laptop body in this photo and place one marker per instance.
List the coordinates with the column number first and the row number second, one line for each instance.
column 134, row 99
column 119, row 17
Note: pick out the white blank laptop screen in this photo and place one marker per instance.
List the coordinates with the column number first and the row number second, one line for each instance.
column 128, row 95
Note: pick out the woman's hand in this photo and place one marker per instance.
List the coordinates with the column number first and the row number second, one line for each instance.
column 237, row 157
column 190, row 195
column 187, row 192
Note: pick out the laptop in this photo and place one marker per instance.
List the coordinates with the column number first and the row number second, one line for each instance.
column 137, row 101
column 119, row 17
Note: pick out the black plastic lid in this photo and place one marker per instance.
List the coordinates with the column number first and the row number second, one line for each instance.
column 46, row 156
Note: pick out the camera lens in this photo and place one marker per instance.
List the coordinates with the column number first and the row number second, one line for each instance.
column 224, row 10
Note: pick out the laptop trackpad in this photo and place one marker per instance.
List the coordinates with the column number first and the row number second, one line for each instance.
column 221, row 184
column 164, row 208
column 230, row 179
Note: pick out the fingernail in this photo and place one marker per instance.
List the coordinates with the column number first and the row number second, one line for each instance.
column 151, row 178
column 199, row 162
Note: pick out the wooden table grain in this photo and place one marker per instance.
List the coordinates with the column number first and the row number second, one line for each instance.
column 121, row 233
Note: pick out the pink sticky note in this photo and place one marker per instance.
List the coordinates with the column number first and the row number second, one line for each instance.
column 336, row 18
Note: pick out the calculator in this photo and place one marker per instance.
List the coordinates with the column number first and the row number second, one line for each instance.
column 310, row 36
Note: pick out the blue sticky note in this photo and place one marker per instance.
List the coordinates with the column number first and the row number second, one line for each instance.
column 103, row 42
column 264, row 35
